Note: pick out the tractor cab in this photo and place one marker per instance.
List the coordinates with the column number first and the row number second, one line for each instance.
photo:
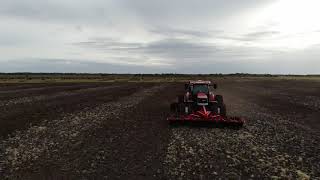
column 199, row 88
column 199, row 92
column 195, row 87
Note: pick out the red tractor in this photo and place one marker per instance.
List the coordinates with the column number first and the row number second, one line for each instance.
column 200, row 104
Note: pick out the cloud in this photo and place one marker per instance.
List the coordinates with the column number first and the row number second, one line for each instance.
column 54, row 10
column 262, row 34
column 173, row 50
column 181, row 33
column 287, row 65
column 258, row 35
column 143, row 35
column 74, row 66
column 252, row 36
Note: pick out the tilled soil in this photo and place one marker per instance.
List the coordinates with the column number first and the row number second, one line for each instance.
column 19, row 113
column 36, row 91
column 274, row 143
column 118, row 131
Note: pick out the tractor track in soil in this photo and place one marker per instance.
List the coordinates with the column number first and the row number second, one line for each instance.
column 126, row 136
column 24, row 86
column 30, row 92
column 41, row 88
column 67, row 142
column 32, row 110
column 22, row 91
column 62, row 92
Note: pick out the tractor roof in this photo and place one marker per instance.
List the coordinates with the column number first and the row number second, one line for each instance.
column 199, row 82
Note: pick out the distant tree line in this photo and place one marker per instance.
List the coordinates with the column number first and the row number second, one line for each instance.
column 27, row 75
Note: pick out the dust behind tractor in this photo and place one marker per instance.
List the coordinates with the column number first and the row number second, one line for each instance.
column 200, row 104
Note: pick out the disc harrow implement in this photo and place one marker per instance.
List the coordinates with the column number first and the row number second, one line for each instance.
column 199, row 104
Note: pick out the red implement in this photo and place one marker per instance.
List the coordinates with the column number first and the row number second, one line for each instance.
column 206, row 116
column 200, row 104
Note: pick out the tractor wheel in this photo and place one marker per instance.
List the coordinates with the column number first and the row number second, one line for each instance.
column 181, row 107
column 177, row 107
column 180, row 99
column 185, row 108
column 174, row 107
column 213, row 107
column 221, row 105
column 219, row 99
column 223, row 110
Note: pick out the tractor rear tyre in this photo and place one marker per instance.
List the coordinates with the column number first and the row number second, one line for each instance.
column 174, row 107
column 221, row 105
column 177, row 107
column 181, row 99
column 223, row 110
column 219, row 99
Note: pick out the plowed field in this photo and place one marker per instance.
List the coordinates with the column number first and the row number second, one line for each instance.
column 119, row 131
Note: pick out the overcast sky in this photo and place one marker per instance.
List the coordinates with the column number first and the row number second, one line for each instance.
column 160, row 36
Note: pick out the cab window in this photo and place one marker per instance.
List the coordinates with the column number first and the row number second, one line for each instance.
column 200, row 88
